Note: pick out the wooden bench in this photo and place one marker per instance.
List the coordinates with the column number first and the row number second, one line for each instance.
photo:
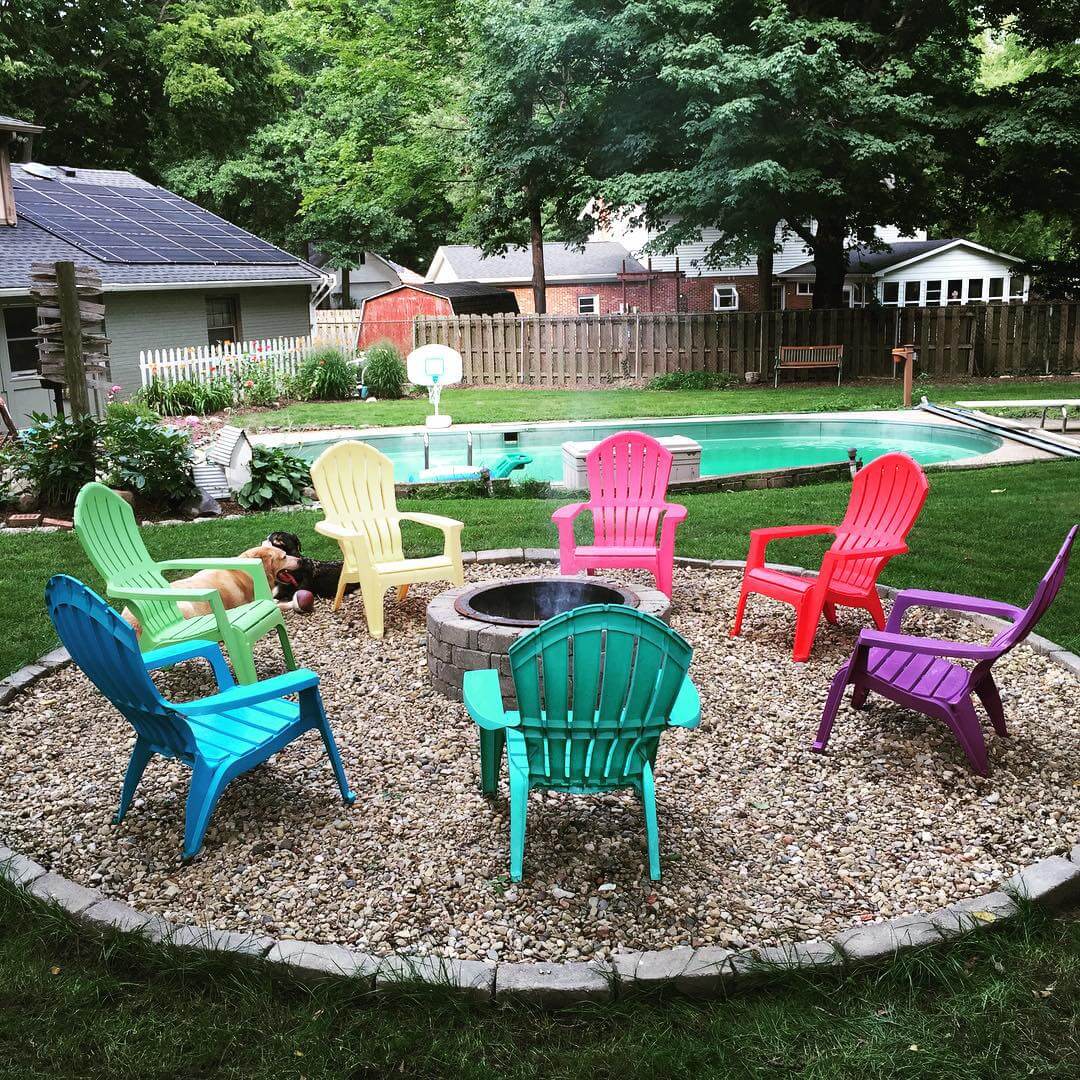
column 803, row 357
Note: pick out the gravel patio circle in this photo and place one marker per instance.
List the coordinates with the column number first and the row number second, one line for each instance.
column 762, row 841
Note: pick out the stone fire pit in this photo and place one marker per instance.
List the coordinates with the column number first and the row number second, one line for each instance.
column 473, row 626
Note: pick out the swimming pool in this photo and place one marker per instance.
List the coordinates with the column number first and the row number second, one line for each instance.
column 728, row 445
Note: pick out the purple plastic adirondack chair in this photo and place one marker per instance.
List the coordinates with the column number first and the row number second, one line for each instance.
column 915, row 672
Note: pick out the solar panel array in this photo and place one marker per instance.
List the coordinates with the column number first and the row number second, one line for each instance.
column 129, row 224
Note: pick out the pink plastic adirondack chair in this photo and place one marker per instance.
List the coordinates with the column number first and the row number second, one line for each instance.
column 628, row 478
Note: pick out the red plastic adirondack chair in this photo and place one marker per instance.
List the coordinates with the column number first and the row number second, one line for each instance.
column 628, row 479
column 886, row 498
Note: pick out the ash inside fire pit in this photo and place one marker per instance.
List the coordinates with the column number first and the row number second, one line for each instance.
column 529, row 601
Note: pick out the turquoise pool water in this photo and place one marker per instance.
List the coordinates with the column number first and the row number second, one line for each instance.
column 727, row 446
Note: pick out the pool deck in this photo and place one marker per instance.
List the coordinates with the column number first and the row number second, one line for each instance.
column 1008, row 453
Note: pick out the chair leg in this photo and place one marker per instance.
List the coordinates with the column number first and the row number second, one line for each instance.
column 140, row 758
column 877, row 613
column 491, row 754
column 806, row 623
column 519, row 805
column 206, row 787
column 348, row 796
column 832, row 704
column 373, row 608
column 402, row 592
column 858, row 697
column 652, row 833
column 964, row 721
column 991, row 700
column 664, row 575
column 830, row 612
column 242, row 661
column 740, row 610
column 286, row 648
column 340, row 594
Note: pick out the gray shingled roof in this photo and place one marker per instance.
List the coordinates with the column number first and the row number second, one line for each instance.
column 11, row 123
column 26, row 243
column 861, row 260
column 598, row 259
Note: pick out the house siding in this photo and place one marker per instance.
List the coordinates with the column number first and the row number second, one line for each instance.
column 955, row 264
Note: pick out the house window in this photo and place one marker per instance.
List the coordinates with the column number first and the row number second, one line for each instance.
column 588, row 305
column 19, row 323
column 725, row 298
column 804, row 288
column 933, row 292
column 956, row 291
column 996, row 291
column 222, row 319
column 1016, row 288
column 890, row 293
column 912, row 293
column 975, row 290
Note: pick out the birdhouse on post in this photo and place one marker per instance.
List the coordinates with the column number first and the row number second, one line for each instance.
column 906, row 355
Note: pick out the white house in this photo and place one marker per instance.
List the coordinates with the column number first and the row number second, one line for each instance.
column 375, row 274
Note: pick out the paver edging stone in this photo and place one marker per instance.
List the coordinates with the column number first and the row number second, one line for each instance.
column 703, row 972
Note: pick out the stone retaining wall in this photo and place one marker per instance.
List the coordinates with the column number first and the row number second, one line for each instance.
column 707, row 972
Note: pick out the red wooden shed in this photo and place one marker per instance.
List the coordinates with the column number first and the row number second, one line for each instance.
column 390, row 315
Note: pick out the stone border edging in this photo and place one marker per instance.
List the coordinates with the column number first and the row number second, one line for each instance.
column 711, row 971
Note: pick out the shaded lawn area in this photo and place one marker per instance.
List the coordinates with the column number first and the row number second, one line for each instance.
column 487, row 405
column 990, row 532
column 998, row 1003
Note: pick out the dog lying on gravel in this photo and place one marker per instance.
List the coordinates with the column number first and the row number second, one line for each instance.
column 317, row 576
column 234, row 586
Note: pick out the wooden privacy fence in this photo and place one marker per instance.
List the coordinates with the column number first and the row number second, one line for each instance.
column 557, row 350
column 336, row 326
column 231, row 360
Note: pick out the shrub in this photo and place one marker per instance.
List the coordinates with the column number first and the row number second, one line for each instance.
column 142, row 456
column 189, row 396
column 384, row 371
column 278, row 477
column 693, row 380
column 57, row 455
column 326, row 375
column 259, row 384
column 135, row 407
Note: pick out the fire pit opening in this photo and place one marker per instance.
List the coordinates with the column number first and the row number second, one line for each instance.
column 529, row 601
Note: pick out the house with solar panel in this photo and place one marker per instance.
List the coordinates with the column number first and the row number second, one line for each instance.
column 174, row 275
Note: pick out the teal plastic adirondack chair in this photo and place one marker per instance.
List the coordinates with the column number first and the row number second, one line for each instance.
column 596, row 687
column 105, row 526
column 219, row 737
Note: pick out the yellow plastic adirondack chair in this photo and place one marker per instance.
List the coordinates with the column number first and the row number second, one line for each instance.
column 355, row 484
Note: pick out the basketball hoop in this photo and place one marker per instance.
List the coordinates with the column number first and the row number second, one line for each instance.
column 434, row 366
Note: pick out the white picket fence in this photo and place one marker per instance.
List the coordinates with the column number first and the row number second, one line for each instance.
column 202, row 363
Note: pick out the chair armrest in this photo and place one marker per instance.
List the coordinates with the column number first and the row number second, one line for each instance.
column 292, row 682
column 674, row 512
column 910, row 598
column 761, row 538
column 209, row 651
column 434, row 521
column 686, row 712
column 335, row 531
column 252, row 567
column 867, row 553
column 924, row 646
column 173, row 596
column 483, row 698
column 568, row 513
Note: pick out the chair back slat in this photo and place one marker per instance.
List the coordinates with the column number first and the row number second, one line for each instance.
column 355, row 484
column 595, row 687
column 104, row 647
column 628, row 479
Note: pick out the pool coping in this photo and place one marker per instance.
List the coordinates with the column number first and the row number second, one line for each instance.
column 707, row 972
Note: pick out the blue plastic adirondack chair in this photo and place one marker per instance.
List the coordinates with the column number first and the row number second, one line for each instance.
column 596, row 687
column 219, row 737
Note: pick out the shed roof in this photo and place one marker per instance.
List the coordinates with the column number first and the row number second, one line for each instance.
column 597, row 259
column 22, row 127
column 863, row 260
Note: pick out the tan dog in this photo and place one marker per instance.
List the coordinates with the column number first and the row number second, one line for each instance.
column 234, row 586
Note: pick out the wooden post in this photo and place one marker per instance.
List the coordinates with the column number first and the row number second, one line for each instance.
column 71, row 330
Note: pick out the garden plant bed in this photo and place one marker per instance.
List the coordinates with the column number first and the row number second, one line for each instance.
column 761, row 840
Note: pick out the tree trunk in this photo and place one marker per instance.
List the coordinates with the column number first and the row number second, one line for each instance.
column 765, row 276
column 536, row 240
column 346, row 285
column 830, row 262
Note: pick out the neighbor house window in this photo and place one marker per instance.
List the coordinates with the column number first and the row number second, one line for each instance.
column 588, row 305
column 725, row 298
column 19, row 323
column 890, row 293
column 996, row 292
column 933, row 292
column 804, row 288
column 912, row 293
column 222, row 319
column 956, row 291
column 975, row 290
column 1016, row 288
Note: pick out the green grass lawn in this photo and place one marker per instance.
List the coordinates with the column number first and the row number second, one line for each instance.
column 986, row 531
column 1001, row 1003
column 486, row 405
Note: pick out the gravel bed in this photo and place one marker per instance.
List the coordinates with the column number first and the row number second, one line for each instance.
column 762, row 841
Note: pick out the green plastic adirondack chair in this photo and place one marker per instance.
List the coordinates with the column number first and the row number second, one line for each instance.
column 596, row 687
column 105, row 526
